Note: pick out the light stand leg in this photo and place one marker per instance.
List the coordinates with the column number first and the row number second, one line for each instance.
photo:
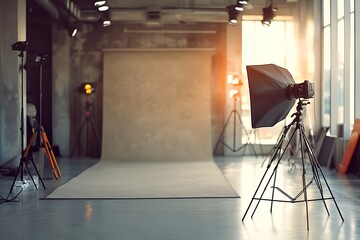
column 37, row 172
column 273, row 192
column 95, row 136
column 317, row 168
column 278, row 147
column 78, row 142
column 303, row 176
column 235, row 114
column 275, row 169
column 248, row 141
column 222, row 134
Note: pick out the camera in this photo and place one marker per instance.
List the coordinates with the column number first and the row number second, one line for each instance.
column 303, row 90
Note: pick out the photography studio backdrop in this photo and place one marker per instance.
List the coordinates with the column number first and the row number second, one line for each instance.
column 157, row 105
column 156, row 129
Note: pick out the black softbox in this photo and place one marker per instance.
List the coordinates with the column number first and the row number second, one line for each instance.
column 268, row 100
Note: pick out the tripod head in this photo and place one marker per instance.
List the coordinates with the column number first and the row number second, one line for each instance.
column 299, row 110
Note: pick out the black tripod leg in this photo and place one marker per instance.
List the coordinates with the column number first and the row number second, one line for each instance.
column 273, row 193
column 28, row 170
column 332, row 196
column 95, row 136
column 276, row 166
column 303, row 176
column 256, row 191
column 16, row 176
column 247, row 136
column 222, row 133
column 37, row 172
column 78, row 140
column 314, row 167
column 267, row 184
column 277, row 149
column 318, row 167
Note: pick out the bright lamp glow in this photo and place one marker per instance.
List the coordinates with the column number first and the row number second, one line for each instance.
column 87, row 88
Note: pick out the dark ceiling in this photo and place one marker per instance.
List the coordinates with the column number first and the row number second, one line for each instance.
column 136, row 11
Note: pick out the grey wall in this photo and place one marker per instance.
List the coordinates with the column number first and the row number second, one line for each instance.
column 85, row 65
column 12, row 29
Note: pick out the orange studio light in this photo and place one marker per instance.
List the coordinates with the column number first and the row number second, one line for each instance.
column 87, row 88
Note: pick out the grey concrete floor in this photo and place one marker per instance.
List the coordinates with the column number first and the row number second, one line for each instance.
column 165, row 219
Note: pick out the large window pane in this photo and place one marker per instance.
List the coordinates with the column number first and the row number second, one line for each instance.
column 352, row 69
column 340, row 8
column 326, row 12
column 326, row 77
column 341, row 56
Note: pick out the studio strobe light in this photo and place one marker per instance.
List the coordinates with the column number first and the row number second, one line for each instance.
column 273, row 93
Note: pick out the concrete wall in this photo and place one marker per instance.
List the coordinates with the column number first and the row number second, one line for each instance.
column 85, row 65
column 12, row 29
column 60, row 91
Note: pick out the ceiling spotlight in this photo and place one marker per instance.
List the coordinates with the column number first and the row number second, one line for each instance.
column 106, row 23
column 268, row 13
column 73, row 32
column 99, row 3
column 72, row 29
column 105, row 19
column 103, row 8
column 244, row 2
column 233, row 14
column 239, row 7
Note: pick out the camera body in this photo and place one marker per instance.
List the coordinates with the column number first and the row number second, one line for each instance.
column 303, row 90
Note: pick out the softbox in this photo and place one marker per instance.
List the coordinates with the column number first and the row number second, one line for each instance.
column 268, row 100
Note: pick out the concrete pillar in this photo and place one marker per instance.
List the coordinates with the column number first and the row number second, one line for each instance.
column 61, row 90
column 12, row 30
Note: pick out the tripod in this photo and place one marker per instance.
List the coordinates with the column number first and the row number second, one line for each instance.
column 88, row 125
column 235, row 114
column 40, row 132
column 317, row 176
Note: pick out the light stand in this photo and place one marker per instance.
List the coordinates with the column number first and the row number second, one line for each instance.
column 235, row 114
column 41, row 136
column 88, row 125
column 317, row 177
column 25, row 158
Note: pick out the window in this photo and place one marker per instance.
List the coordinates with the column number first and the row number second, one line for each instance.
column 338, row 73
